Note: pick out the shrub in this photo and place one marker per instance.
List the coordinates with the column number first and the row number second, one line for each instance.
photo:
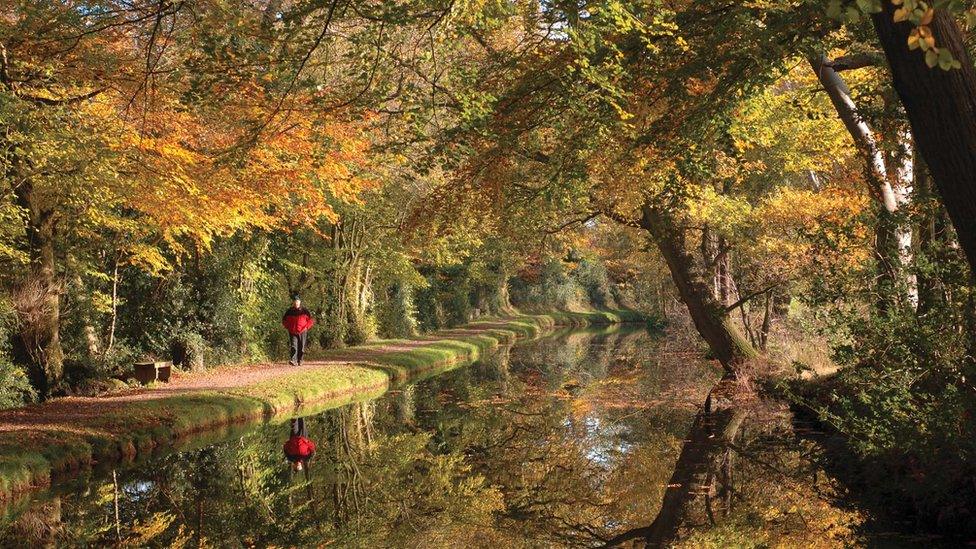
column 188, row 350
column 361, row 329
column 116, row 361
column 906, row 404
column 15, row 386
column 593, row 278
column 552, row 287
column 397, row 314
column 332, row 335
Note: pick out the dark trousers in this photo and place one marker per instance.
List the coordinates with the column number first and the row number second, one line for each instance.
column 298, row 428
column 298, row 347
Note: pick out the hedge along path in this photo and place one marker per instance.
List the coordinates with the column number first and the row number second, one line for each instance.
column 62, row 436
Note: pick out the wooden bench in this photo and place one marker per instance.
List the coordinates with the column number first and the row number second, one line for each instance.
column 150, row 371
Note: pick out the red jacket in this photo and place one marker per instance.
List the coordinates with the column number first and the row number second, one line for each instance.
column 298, row 448
column 297, row 321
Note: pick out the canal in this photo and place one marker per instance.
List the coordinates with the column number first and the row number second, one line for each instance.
column 562, row 441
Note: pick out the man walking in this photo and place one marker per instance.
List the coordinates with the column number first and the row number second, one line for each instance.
column 297, row 321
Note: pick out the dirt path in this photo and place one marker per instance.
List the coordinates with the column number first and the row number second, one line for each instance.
column 54, row 412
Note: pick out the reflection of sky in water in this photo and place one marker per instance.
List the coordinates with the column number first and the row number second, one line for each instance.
column 604, row 442
column 138, row 489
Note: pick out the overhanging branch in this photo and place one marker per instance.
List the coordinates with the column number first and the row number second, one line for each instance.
column 619, row 218
column 745, row 299
column 581, row 220
column 855, row 61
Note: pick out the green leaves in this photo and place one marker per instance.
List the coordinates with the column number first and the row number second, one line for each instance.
column 852, row 12
column 835, row 9
column 941, row 57
column 918, row 13
column 869, row 6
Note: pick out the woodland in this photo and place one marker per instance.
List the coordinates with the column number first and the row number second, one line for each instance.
column 794, row 179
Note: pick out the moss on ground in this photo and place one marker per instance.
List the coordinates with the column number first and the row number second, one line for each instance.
column 121, row 433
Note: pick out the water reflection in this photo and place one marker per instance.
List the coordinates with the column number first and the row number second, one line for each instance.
column 298, row 449
column 560, row 441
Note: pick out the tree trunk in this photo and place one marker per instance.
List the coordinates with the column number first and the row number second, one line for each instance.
column 40, row 307
column 941, row 106
column 723, row 274
column 92, row 342
column 91, row 339
column 115, row 506
column 702, row 456
column 888, row 233
column 930, row 232
column 767, row 322
column 50, row 326
column 857, row 126
column 715, row 427
column 889, row 266
column 709, row 253
column 695, row 286
column 115, row 307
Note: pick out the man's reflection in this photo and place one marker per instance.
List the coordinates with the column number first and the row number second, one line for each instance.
column 299, row 449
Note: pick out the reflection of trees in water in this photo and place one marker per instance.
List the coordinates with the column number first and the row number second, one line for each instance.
column 580, row 357
column 405, row 405
column 38, row 526
column 777, row 478
column 494, row 368
column 741, row 470
column 349, row 433
column 390, row 489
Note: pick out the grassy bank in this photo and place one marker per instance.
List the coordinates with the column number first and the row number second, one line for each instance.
column 61, row 436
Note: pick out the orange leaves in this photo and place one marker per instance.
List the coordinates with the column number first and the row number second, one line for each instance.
column 921, row 37
column 802, row 230
column 200, row 178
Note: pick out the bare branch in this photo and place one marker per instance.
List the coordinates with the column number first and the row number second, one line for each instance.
column 622, row 219
column 855, row 61
column 581, row 220
column 636, row 533
column 745, row 299
column 4, row 68
column 62, row 101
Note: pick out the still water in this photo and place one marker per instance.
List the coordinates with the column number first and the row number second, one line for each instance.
column 558, row 442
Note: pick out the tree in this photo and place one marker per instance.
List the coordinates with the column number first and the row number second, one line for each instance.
column 941, row 106
column 888, row 185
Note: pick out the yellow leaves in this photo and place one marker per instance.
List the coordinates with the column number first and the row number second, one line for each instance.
column 145, row 532
column 791, row 227
column 792, row 206
column 921, row 15
column 697, row 86
column 197, row 180
column 787, row 131
column 149, row 258
column 927, row 19
column 706, row 205
column 921, row 37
